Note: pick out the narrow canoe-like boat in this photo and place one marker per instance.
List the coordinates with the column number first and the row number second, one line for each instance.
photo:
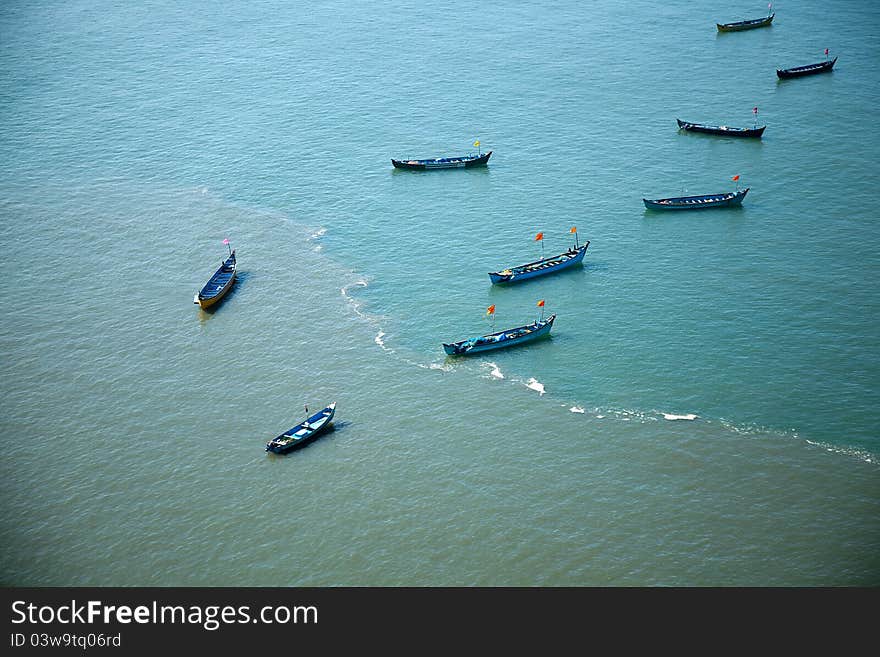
column 506, row 338
column 218, row 285
column 303, row 433
column 745, row 25
column 444, row 162
column 697, row 202
column 721, row 129
column 808, row 69
column 540, row 267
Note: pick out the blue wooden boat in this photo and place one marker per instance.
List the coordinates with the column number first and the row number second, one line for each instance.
column 444, row 162
column 697, row 202
column 540, row 267
column 501, row 339
column 749, row 24
column 303, row 433
column 809, row 69
column 218, row 285
column 721, row 129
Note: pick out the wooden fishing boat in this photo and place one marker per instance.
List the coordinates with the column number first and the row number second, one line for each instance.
column 721, row 129
column 444, row 162
column 809, row 69
column 506, row 338
column 697, row 202
column 745, row 25
column 540, row 267
column 218, row 285
column 303, row 433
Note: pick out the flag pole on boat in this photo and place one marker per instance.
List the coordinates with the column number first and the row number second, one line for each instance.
column 755, row 112
column 826, row 54
column 226, row 242
column 769, row 8
column 541, row 306
column 490, row 312
column 736, row 180
column 477, row 144
column 540, row 238
column 575, row 231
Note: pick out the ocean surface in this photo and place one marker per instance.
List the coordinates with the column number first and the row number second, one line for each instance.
column 705, row 412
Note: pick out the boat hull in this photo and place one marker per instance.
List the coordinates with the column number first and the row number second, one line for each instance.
column 540, row 267
column 809, row 69
column 218, row 285
column 500, row 340
column 697, row 202
column 739, row 26
column 720, row 129
column 289, row 440
column 443, row 162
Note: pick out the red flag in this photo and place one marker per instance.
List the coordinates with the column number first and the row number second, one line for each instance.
column 736, row 177
column 490, row 310
column 539, row 237
column 541, row 303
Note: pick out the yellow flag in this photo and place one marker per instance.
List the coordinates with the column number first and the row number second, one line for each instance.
column 477, row 143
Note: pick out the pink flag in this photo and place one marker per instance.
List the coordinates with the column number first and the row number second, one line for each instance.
column 826, row 51
column 755, row 110
column 226, row 241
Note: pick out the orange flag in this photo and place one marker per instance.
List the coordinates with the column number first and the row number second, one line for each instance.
column 736, row 177
column 573, row 229
column 490, row 310
column 541, row 303
column 539, row 237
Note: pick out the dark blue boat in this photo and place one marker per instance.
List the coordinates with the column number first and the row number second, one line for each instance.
column 540, row 267
column 501, row 339
column 697, row 202
column 303, row 433
column 721, row 129
column 218, row 285
column 809, row 69
column 444, row 162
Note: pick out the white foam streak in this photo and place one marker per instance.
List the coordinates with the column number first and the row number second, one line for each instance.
column 687, row 416
column 496, row 371
column 534, row 384
column 577, row 409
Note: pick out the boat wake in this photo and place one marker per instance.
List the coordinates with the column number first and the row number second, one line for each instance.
column 577, row 409
column 534, row 384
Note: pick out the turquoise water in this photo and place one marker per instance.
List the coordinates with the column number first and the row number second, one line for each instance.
column 137, row 137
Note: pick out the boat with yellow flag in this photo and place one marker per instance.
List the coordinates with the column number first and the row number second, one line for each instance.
column 573, row 256
column 457, row 162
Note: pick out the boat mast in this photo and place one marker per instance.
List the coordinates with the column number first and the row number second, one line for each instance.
column 540, row 238
column 755, row 112
column 575, row 231
column 477, row 144
column 226, row 242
